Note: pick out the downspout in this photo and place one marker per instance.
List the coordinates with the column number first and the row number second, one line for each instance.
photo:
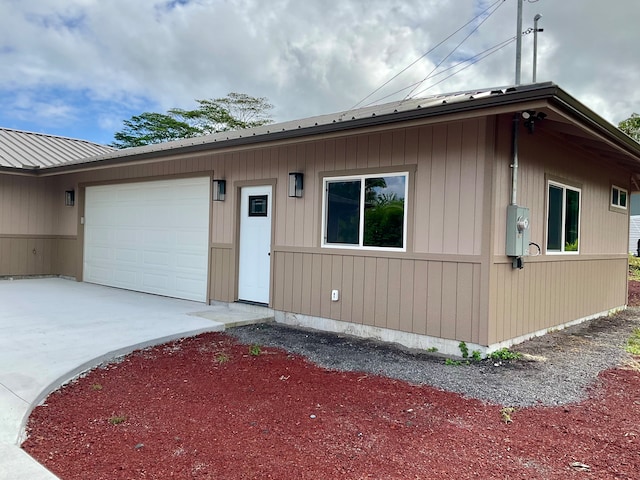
column 514, row 161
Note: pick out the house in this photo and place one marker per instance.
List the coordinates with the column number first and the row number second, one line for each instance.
column 401, row 222
column 634, row 223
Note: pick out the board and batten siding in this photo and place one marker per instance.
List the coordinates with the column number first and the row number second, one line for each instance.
column 546, row 294
column 428, row 297
column 32, row 241
column 433, row 289
column 552, row 290
column 543, row 156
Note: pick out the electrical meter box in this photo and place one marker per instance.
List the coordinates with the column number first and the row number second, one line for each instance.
column 518, row 233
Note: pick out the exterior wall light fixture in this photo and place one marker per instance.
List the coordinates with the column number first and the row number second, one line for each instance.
column 531, row 117
column 219, row 190
column 295, row 184
column 70, row 198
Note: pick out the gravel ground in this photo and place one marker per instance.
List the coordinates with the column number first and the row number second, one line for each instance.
column 557, row 368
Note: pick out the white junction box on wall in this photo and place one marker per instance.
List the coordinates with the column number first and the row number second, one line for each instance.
column 335, row 295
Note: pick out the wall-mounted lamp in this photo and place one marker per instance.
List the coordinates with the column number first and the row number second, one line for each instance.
column 70, row 198
column 219, row 190
column 295, row 184
column 531, row 117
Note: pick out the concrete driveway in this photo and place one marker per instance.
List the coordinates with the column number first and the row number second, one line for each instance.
column 51, row 329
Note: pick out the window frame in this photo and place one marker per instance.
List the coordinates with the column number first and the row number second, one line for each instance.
column 618, row 207
column 362, row 178
column 564, row 187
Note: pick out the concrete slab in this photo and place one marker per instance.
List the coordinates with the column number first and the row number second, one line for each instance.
column 52, row 329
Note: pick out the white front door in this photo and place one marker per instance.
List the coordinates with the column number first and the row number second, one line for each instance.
column 254, row 273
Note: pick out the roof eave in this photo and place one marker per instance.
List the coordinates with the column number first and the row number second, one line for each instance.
column 513, row 96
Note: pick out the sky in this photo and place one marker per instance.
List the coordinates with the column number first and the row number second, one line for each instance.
column 78, row 68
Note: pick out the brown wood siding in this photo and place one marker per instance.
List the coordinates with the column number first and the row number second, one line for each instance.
column 30, row 206
column 448, row 184
column 22, row 255
column 437, row 298
column 544, row 156
column 222, row 268
column 447, row 199
column 546, row 294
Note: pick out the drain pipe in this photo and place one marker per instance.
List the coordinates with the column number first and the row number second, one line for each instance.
column 514, row 161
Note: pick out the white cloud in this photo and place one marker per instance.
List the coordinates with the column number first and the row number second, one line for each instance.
column 308, row 57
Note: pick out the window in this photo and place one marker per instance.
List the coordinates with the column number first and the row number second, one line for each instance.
column 619, row 197
column 258, row 205
column 366, row 211
column 563, row 218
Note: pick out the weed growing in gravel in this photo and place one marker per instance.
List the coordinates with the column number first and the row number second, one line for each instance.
column 463, row 349
column 432, row 349
column 96, row 387
column 254, row 350
column 633, row 344
column 476, row 356
column 117, row 420
column 455, row 363
column 222, row 358
column 506, row 413
column 504, row 354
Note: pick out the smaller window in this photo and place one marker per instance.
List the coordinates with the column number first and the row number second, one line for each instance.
column 619, row 197
column 258, row 205
column 563, row 218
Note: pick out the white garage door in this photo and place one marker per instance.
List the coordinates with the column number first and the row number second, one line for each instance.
column 150, row 237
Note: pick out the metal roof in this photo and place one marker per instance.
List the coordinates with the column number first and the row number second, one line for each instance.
column 508, row 98
column 334, row 121
column 32, row 151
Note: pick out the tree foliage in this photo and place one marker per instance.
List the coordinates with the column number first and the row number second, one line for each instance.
column 234, row 112
column 631, row 126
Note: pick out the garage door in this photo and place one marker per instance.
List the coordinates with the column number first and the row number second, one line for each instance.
column 150, row 237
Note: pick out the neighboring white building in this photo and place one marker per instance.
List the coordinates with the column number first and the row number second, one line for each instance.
column 634, row 224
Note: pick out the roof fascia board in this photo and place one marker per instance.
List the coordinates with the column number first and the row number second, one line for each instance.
column 589, row 118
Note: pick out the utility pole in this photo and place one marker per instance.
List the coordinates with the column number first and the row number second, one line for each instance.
column 519, row 43
column 535, row 45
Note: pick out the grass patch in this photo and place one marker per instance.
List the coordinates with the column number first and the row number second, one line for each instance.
column 633, row 344
column 117, row 420
column 634, row 268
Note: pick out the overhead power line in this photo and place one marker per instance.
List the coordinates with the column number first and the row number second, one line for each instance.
column 456, row 48
column 473, row 60
column 497, row 2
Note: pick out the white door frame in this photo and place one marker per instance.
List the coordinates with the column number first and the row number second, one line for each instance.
column 254, row 243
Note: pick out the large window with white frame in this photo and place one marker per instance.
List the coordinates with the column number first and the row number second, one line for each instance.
column 563, row 218
column 619, row 197
column 365, row 211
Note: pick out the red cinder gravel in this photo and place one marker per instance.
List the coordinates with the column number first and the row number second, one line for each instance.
column 634, row 293
column 205, row 408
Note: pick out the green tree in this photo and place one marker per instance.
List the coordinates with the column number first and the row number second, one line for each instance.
column 631, row 126
column 234, row 112
column 149, row 127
